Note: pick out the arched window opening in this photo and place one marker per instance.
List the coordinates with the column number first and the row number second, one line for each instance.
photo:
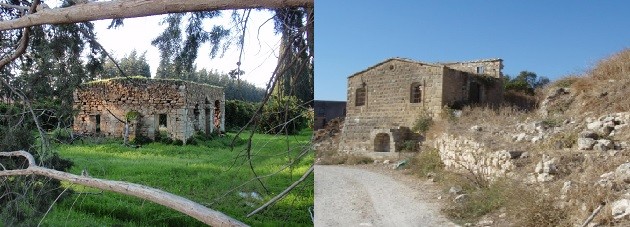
column 360, row 97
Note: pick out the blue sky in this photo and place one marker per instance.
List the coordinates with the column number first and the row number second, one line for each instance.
column 550, row 38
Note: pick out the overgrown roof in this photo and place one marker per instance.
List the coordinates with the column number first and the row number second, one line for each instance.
column 144, row 79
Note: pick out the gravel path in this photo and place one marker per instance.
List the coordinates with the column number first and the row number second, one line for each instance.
column 373, row 196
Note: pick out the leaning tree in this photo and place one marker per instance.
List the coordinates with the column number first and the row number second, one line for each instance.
column 32, row 46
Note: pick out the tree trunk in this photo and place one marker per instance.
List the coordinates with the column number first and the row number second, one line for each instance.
column 181, row 204
column 138, row 8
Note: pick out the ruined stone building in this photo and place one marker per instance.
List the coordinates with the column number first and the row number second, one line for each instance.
column 325, row 111
column 386, row 99
column 174, row 108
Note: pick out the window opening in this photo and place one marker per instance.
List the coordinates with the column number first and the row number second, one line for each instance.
column 360, row 97
column 416, row 93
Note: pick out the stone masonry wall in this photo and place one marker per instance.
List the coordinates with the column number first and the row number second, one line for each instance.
column 174, row 100
column 388, row 106
column 388, row 101
column 467, row 155
column 492, row 67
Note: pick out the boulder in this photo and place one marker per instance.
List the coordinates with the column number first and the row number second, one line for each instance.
column 606, row 143
column 620, row 208
column 585, row 143
column 455, row 190
column 595, row 126
column 622, row 173
column 599, row 147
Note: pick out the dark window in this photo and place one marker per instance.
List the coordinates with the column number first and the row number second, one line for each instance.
column 360, row 97
column 416, row 93
column 381, row 142
column 480, row 69
column 97, row 119
column 162, row 120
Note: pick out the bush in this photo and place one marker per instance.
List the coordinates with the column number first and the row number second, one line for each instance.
column 427, row 161
column 423, row 123
column 240, row 112
column 283, row 114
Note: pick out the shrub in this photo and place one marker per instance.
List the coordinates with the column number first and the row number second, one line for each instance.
column 178, row 142
column 409, row 145
column 423, row 123
column 479, row 202
column 240, row 112
column 427, row 161
column 283, row 114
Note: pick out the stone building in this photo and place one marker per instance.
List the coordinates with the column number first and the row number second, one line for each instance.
column 174, row 108
column 385, row 100
column 326, row 111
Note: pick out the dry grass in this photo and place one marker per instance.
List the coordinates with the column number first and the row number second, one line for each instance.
column 615, row 67
column 330, row 157
column 520, row 100
column 602, row 89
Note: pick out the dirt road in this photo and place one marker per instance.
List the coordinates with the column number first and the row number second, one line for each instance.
column 369, row 196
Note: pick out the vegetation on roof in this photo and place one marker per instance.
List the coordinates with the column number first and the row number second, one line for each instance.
column 142, row 78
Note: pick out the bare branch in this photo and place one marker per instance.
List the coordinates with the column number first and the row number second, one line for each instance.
column 28, row 156
column 283, row 193
column 181, row 204
column 14, row 6
column 111, row 58
column 139, row 8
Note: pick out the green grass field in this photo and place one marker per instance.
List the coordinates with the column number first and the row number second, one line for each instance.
column 205, row 173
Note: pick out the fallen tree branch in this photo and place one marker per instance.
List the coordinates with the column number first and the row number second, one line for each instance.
column 139, row 8
column 595, row 212
column 283, row 193
column 181, row 204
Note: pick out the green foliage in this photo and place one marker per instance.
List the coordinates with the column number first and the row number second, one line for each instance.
column 240, row 112
column 479, row 202
column 295, row 70
column 203, row 173
column 423, row 123
column 234, row 89
column 282, row 115
column 409, row 145
column 131, row 65
column 566, row 81
column 525, row 82
column 61, row 135
column 427, row 161
column 132, row 115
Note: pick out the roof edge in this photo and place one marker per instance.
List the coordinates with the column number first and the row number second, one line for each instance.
column 395, row 59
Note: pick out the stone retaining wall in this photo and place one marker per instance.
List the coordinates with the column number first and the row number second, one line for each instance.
column 466, row 155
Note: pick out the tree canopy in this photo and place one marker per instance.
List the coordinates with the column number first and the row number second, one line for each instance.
column 525, row 82
column 131, row 65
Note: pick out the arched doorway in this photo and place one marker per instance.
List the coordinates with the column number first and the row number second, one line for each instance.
column 381, row 142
